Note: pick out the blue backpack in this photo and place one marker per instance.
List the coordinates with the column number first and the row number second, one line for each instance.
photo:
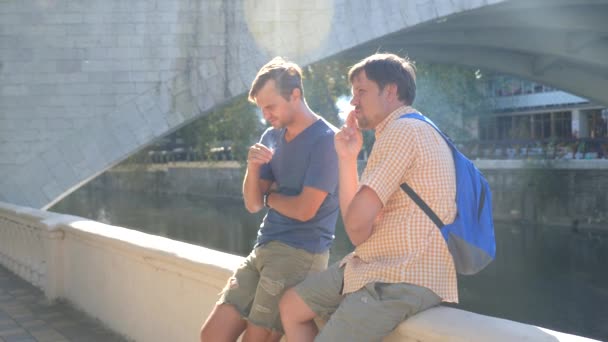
column 470, row 238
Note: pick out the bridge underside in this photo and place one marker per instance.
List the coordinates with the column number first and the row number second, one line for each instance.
column 83, row 86
column 562, row 43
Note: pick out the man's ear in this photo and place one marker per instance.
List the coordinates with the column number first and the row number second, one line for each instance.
column 296, row 94
column 392, row 90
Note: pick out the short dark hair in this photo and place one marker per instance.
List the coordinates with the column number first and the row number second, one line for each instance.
column 287, row 75
column 387, row 68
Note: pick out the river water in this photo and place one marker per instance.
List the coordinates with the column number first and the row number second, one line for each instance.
column 552, row 277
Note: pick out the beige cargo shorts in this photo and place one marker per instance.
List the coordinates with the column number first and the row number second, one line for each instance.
column 258, row 284
column 366, row 315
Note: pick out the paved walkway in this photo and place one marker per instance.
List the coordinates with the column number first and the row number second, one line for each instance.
column 27, row 316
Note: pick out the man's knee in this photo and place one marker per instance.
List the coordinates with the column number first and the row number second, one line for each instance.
column 205, row 334
column 285, row 302
column 202, row 336
column 258, row 333
column 293, row 308
column 223, row 324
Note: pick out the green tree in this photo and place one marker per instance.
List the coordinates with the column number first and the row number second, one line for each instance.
column 235, row 124
column 452, row 96
column 324, row 83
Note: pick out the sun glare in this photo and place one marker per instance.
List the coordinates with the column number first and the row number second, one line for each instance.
column 289, row 28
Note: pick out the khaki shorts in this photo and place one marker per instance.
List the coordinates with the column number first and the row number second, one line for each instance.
column 258, row 284
column 366, row 315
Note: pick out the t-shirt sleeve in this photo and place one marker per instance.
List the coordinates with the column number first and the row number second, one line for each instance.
column 322, row 170
column 393, row 154
column 267, row 139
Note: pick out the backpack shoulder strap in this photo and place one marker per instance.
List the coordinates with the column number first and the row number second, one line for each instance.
column 422, row 204
column 421, row 117
column 408, row 190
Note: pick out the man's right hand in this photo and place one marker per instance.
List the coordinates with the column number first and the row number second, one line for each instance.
column 349, row 140
column 255, row 187
column 258, row 155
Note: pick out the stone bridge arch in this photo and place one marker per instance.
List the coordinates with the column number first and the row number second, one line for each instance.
column 85, row 84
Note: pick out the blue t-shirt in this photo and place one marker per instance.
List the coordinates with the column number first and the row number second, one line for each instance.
column 309, row 159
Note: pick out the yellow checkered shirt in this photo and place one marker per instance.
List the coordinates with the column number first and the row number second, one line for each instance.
column 405, row 245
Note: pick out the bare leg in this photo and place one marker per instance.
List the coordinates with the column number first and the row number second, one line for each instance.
column 255, row 333
column 297, row 318
column 274, row 337
column 224, row 324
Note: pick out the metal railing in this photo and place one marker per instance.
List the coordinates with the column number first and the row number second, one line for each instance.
column 581, row 148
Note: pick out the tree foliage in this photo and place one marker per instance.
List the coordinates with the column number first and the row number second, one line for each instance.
column 324, row 83
column 451, row 96
column 235, row 124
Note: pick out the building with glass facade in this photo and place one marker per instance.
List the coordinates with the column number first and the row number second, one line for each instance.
column 531, row 120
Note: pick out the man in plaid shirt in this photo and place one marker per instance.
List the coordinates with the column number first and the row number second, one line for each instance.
column 401, row 264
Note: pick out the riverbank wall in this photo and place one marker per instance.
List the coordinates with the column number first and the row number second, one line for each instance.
column 571, row 193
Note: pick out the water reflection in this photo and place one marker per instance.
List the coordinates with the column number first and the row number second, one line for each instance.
column 221, row 224
column 547, row 276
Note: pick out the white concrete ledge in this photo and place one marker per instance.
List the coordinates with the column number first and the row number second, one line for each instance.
column 453, row 325
column 150, row 288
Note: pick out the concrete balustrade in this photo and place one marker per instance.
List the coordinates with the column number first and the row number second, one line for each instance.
column 150, row 288
column 25, row 247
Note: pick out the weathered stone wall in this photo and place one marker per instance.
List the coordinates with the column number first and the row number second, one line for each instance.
column 220, row 180
column 522, row 191
column 567, row 193
column 574, row 198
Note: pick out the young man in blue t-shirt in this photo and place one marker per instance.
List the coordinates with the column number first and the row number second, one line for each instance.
column 293, row 172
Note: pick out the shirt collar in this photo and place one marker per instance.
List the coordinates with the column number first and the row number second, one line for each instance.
column 391, row 117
